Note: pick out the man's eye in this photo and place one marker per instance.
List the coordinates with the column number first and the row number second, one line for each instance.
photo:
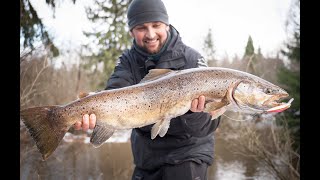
column 139, row 28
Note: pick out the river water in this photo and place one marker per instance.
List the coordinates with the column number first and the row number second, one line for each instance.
column 75, row 158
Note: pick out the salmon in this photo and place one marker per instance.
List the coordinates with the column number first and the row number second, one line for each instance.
column 162, row 95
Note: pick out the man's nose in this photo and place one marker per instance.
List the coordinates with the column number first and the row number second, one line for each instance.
column 151, row 33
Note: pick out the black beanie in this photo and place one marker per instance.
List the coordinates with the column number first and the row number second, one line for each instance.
column 143, row 11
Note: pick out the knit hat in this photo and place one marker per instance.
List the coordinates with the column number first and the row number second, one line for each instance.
column 143, row 11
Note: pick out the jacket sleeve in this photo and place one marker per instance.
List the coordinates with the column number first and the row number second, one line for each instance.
column 198, row 123
column 122, row 75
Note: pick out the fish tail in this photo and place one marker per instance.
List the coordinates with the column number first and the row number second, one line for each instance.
column 45, row 126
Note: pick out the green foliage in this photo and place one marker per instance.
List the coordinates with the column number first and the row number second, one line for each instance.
column 110, row 40
column 249, row 51
column 32, row 29
column 293, row 48
column 290, row 77
column 209, row 47
column 291, row 81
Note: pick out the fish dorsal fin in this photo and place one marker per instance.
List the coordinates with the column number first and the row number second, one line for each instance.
column 155, row 74
column 84, row 94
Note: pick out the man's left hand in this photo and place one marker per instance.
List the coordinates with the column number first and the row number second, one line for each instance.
column 198, row 105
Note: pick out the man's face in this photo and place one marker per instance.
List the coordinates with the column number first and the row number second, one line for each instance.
column 150, row 36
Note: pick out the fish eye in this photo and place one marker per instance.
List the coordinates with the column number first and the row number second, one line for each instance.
column 268, row 91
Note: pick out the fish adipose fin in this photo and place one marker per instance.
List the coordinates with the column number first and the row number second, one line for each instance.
column 45, row 126
column 161, row 128
column 100, row 134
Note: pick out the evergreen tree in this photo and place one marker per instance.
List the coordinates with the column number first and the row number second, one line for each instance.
column 259, row 53
column 290, row 77
column 32, row 28
column 110, row 40
column 249, row 51
column 209, row 49
column 249, row 57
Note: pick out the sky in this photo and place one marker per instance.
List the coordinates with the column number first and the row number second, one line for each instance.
column 231, row 21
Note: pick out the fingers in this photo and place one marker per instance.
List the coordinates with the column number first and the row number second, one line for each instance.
column 92, row 121
column 77, row 125
column 202, row 100
column 88, row 122
column 197, row 105
column 194, row 105
column 85, row 122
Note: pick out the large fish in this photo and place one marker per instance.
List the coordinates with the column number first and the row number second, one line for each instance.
column 162, row 95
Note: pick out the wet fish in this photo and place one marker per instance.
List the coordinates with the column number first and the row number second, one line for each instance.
column 162, row 95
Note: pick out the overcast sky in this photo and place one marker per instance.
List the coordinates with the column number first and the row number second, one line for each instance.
column 231, row 21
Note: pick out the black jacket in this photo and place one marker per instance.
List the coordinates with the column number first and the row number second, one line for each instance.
column 190, row 136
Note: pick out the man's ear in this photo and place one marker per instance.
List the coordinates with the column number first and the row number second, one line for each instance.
column 167, row 28
column 131, row 34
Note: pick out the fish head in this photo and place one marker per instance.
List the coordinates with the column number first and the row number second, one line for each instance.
column 259, row 97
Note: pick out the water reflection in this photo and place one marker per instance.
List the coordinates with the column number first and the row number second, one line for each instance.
column 228, row 165
column 75, row 158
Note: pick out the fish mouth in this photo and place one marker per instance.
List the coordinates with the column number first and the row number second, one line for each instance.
column 279, row 107
column 275, row 101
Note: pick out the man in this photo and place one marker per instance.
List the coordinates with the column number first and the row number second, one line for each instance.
column 188, row 147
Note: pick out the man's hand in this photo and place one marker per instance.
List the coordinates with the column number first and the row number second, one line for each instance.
column 197, row 105
column 88, row 122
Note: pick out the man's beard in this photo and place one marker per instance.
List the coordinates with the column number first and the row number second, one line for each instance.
column 153, row 51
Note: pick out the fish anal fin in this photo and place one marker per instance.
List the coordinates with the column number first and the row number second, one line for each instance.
column 100, row 134
column 155, row 74
column 161, row 128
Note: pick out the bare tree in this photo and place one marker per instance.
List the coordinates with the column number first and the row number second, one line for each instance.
column 270, row 146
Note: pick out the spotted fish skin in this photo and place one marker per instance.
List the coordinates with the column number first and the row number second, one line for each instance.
column 159, row 97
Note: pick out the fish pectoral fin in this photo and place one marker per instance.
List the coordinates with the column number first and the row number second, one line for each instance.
column 216, row 113
column 100, row 134
column 214, row 105
column 215, row 108
column 161, row 128
column 165, row 127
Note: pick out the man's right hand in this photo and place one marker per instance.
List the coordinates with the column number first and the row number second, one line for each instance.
column 88, row 122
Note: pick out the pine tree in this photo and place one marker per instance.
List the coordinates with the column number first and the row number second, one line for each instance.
column 209, row 49
column 110, row 40
column 32, row 29
column 290, row 77
column 259, row 53
column 249, row 57
column 249, row 51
